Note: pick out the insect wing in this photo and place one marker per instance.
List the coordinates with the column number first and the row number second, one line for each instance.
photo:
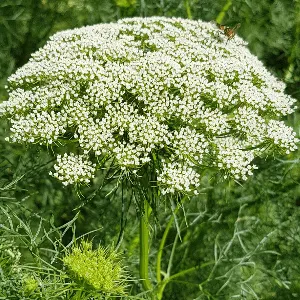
column 236, row 27
column 221, row 27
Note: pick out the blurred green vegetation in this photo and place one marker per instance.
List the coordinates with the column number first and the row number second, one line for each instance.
column 243, row 240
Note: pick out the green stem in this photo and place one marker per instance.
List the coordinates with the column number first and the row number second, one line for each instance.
column 190, row 270
column 163, row 241
column 292, row 57
column 160, row 249
column 188, row 9
column 144, row 247
column 163, row 284
column 172, row 255
column 221, row 15
column 160, row 289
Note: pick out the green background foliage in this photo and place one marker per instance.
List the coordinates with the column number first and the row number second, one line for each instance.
column 242, row 241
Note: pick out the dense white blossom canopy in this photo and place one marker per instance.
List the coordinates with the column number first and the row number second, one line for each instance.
column 141, row 88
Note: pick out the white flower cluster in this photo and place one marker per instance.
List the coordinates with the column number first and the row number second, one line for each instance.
column 232, row 157
column 282, row 136
column 145, row 89
column 178, row 177
column 71, row 169
column 187, row 143
column 37, row 127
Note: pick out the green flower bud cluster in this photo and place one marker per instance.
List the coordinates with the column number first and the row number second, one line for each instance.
column 98, row 269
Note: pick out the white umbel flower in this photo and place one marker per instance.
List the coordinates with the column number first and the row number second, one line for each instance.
column 71, row 169
column 176, row 177
column 282, row 136
column 146, row 90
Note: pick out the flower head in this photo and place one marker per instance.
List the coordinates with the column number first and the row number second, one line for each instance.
column 98, row 269
column 72, row 169
column 142, row 86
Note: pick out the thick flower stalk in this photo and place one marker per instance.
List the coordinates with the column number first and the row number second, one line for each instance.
column 172, row 89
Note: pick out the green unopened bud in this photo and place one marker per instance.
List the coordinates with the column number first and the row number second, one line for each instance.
column 30, row 284
column 97, row 269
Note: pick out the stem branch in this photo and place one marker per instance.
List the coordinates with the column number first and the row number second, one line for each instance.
column 144, row 247
column 163, row 241
column 222, row 13
column 188, row 9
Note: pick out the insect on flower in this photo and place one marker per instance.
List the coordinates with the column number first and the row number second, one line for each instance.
column 229, row 31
